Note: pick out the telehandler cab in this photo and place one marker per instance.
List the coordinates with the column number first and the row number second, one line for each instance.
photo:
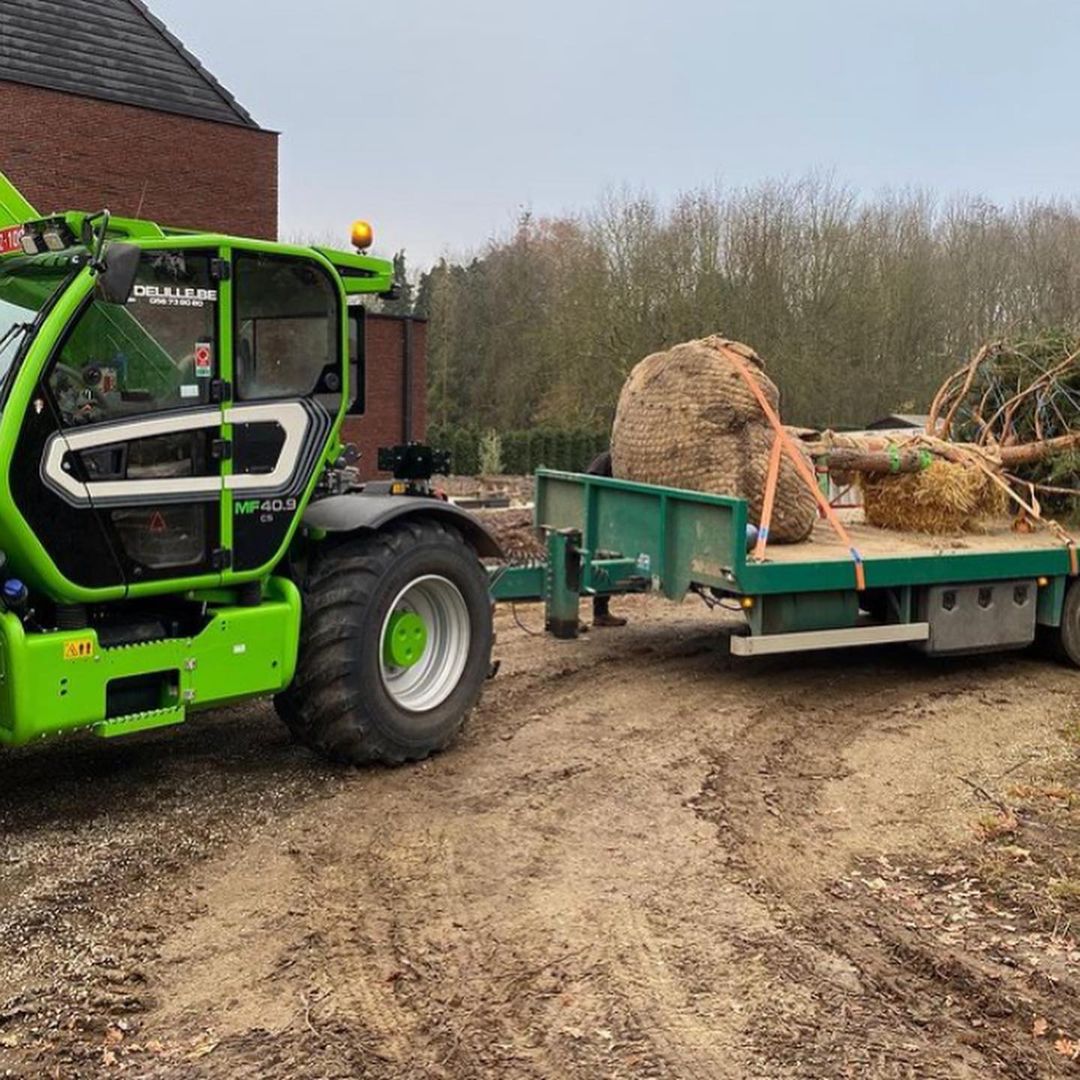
column 179, row 523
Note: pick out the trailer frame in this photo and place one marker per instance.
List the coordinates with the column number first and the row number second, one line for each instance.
column 607, row 536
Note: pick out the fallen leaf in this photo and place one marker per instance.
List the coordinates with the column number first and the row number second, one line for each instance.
column 1039, row 1026
column 206, row 1045
column 1067, row 1048
column 1014, row 851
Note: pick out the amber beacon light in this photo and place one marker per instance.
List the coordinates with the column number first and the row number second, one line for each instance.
column 363, row 236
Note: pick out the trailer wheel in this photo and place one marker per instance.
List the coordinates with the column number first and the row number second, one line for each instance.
column 395, row 645
column 1068, row 637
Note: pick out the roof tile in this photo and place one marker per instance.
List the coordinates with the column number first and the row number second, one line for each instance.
column 112, row 49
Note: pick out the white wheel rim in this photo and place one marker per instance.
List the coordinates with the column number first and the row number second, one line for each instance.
column 427, row 683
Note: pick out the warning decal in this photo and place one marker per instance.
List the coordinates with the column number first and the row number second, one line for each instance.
column 204, row 360
column 79, row 649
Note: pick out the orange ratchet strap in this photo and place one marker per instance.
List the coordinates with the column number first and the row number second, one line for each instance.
column 783, row 441
column 771, row 479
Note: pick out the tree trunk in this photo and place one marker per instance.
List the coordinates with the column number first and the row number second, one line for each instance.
column 874, row 456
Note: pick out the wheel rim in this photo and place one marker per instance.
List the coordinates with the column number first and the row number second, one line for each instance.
column 424, row 643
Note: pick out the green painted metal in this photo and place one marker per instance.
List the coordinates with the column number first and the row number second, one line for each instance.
column 352, row 274
column 677, row 538
column 673, row 537
column 518, row 583
column 1051, row 601
column 14, row 209
column 562, row 582
column 600, row 577
column 143, row 721
column 933, row 568
column 54, row 682
column 58, row 681
column 405, row 640
column 786, row 613
column 688, row 536
column 361, row 273
column 227, row 369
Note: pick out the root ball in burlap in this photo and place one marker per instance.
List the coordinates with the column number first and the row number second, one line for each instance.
column 687, row 419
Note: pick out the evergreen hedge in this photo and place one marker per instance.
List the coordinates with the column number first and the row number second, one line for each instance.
column 523, row 452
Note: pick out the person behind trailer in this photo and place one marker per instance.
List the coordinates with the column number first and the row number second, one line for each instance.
column 601, row 605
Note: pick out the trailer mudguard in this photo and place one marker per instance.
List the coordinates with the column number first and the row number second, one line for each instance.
column 350, row 513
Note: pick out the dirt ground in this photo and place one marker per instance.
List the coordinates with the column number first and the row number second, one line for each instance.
column 643, row 858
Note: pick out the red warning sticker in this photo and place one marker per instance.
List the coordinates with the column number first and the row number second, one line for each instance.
column 204, row 359
column 157, row 522
column 11, row 239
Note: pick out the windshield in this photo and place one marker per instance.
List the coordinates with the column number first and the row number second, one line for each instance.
column 26, row 287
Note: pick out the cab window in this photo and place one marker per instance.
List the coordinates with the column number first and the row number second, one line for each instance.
column 288, row 327
column 155, row 353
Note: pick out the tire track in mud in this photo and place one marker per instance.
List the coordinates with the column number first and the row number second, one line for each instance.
column 629, row 866
column 481, row 983
column 92, row 829
column 125, row 824
column 495, row 982
column 900, row 1007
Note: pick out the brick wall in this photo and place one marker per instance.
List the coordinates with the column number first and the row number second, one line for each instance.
column 66, row 152
column 383, row 422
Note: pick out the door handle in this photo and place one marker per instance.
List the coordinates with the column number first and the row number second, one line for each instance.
column 104, row 463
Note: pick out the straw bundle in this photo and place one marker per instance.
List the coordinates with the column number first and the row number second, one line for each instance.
column 946, row 497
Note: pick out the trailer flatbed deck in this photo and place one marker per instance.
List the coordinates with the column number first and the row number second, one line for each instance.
column 876, row 543
column 967, row 592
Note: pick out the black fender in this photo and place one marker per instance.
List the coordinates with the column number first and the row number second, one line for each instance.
column 350, row 513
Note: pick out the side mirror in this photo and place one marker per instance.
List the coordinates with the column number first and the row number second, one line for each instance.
column 116, row 279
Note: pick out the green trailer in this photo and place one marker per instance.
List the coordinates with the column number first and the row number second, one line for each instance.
column 998, row 589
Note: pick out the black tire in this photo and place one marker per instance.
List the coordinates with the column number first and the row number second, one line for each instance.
column 1066, row 640
column 338, row 703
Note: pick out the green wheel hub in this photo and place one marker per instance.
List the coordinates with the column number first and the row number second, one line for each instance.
column 426, row 638
column 405, row 639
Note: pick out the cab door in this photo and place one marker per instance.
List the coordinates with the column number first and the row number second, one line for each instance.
column 286, row 391
column 128, row 427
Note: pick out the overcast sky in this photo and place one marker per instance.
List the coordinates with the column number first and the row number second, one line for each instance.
column 441, row 119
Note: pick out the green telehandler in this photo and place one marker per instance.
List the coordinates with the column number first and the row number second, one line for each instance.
column 180, row 522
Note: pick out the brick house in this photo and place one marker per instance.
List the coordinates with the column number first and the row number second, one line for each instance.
column 103, row 107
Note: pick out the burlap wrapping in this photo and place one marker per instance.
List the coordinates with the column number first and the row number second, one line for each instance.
column 687, row 419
